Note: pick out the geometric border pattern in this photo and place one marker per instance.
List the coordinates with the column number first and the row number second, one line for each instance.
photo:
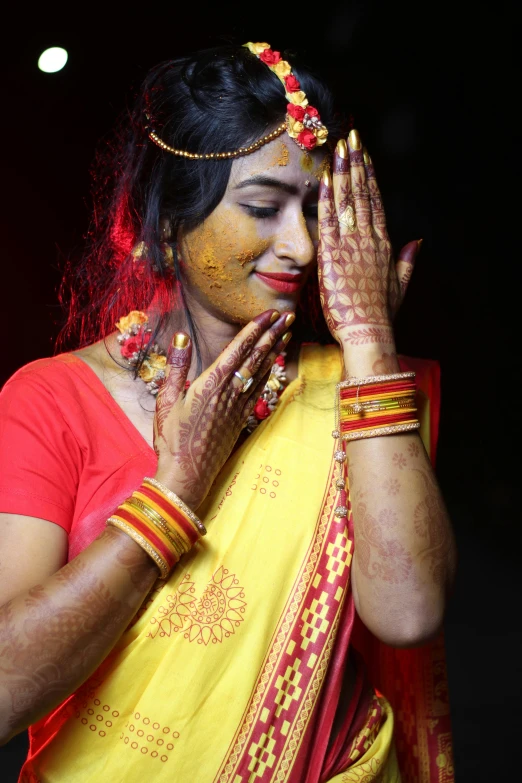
column 266, row 742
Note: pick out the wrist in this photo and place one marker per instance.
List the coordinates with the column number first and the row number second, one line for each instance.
column 169, row 480
column 370, row 360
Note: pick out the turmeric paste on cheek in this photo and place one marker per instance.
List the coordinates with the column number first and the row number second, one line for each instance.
column 218, row 259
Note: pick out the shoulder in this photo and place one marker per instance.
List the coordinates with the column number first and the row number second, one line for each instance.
column 45, row 371
column 54, row 383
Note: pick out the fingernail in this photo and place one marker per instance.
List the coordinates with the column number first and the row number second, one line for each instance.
column 274, row 317
column 355, row 140
column 327, row 180
column 419, row 243
column 290, row 318
column 342, row 149
column 286, row 337
column 366, row 157
column 180, row 340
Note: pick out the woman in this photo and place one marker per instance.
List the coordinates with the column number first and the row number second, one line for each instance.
column 240, row 662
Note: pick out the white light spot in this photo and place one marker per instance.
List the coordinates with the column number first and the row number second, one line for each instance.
column 52, row 59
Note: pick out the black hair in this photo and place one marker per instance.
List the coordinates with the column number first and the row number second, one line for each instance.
column 214, row 100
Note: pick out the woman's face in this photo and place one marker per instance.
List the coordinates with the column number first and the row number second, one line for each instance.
column 256, row 249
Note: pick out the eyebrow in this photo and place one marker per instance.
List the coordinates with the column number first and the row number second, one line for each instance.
column 268, row 182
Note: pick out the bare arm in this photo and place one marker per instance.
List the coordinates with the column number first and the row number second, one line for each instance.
column 404, row 555
column 56, row 633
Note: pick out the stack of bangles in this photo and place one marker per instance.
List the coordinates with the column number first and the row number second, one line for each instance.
column 160, row 523
column 368, row 408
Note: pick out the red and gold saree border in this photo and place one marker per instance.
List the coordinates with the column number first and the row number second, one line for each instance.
column 269, row 737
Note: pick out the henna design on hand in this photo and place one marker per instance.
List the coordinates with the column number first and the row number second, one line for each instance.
column 405, row 279
column 372, row 334
column 200, row 436
column 170, row 392
column 212, row 428
column 358, row 282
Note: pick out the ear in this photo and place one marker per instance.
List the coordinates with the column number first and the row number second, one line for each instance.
column 165, row 228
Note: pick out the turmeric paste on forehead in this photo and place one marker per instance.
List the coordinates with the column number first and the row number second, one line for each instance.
column 312, row 166
column 279, row 156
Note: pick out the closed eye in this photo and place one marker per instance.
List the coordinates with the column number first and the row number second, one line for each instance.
column 267, row 212
column 260, row 212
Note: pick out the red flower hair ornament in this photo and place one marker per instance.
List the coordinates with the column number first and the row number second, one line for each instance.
column 303, row 122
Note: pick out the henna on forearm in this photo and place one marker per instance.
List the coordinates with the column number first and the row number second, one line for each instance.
column 404, row 555
column 55, row 635
column 369, row 335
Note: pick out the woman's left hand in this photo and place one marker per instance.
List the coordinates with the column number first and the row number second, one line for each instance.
column 361, row 288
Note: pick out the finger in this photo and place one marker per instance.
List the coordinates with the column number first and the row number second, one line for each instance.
column 239, row 348
column 276, row 351
column 406, row 263
column 328, row 223
column 252, row 363
column 342, row 183
column 176, row 371
column 264, row 373
column 177, row 367
column 254, row 397
column 360, row 192
column 378, row 216
column 258, row 389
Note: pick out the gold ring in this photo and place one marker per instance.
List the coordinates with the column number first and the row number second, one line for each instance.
column 347, row 218
column 246, row 381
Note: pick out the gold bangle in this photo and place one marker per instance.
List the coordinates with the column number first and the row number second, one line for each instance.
column 179, row 503
column 391, row 430
column 143, row 543
column 369, row 406
column 398, row 376
column 158, row 521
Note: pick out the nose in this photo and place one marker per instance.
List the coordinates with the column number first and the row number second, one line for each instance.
column 294, row 241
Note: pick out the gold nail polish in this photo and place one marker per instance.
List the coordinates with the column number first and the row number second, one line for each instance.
column 355, row 140
column 342, row 149
column 180, row 340
column 366, row 157
column 274, row 317
column 327, row 180
column 419, row 243
column 290, row 318
column 286, row 337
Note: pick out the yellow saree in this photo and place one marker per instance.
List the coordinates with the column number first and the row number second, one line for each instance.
column 231, row 671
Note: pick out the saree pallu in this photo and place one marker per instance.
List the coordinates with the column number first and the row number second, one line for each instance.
column 232, row 669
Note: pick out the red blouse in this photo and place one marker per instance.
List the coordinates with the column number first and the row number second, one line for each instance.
column 68, row 453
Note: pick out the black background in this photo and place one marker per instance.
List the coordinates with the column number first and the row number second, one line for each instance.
column 434, row 91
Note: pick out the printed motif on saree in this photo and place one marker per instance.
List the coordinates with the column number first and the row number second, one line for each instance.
column 232, row 671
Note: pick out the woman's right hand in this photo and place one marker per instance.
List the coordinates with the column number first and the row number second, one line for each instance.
column 196, row 429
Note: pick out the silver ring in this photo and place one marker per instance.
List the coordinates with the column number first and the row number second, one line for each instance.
column 247, row 382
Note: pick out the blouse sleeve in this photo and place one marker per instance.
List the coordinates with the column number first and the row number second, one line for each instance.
column 40, row 459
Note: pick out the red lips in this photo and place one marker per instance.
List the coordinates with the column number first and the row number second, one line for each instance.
column 281, row 281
